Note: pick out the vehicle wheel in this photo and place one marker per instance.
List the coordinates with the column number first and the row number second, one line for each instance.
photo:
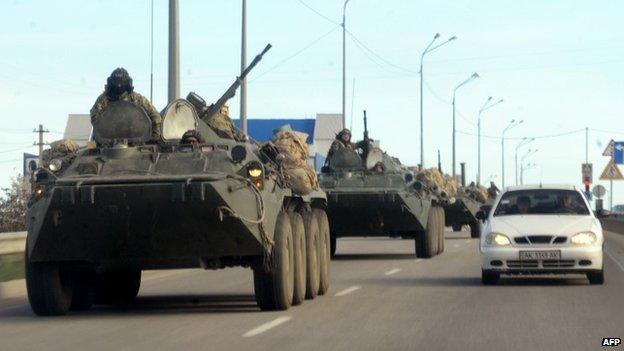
column 596, row 278
column 333, row 245
column 84, row 291
column 457, row 227
column 427, row 242
column 489, row 277
column 475, row 229
column 442, row 227
column 299, row 256
column 313, row 255
column 323, row 224
column 49, row 287
column 117, row 287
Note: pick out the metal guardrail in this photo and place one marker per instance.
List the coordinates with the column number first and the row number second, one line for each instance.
column 614, row 224
column 12, row 243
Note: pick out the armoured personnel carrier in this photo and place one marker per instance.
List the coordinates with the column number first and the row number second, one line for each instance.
column 371, row 194
column 100, row 217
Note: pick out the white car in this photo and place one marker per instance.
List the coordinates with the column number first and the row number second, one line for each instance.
column 541, row 229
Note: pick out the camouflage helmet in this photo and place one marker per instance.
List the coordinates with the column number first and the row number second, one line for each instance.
column 118, row 83
column 343, row 132
column 191, row 135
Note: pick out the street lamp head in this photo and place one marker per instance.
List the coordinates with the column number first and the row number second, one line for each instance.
column 499, row 101
column 436, row 36
column 475, row 75
column 452, row 38
column 489, row 98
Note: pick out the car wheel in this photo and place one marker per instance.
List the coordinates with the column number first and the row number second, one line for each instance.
column 489, row 277
column 49, row 287
column 596, row 278
column 457, row 227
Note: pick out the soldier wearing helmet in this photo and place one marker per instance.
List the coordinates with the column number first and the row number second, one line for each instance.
column 343, row 140
column 119, row 87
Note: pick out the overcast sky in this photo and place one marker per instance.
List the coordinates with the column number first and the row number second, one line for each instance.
column 557, row 64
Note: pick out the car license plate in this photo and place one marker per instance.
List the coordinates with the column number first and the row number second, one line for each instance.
column 540, row 255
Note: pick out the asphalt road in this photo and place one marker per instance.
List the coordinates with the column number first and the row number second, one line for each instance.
column 381, row 298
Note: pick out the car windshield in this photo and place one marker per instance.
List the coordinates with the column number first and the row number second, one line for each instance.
column 541, row 201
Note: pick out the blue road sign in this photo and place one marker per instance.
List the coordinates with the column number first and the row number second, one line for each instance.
column 618, row 152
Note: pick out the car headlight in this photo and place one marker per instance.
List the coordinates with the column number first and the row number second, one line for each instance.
column 55, row 164
column 583, row 238
column 497, row 239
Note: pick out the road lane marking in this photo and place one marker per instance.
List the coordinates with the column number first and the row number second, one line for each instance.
column 418, row 260
column 614, row 260
column 348, row 290
column 266, row 326
column 393, row 271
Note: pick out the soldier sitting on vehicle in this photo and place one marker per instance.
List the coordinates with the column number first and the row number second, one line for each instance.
column 343, row 140
column 379, row 167
column 493, row 191
column 222, row 124
column 191, row 137
column 119, row 88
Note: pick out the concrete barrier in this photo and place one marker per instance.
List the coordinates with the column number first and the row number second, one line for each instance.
column 614, row 225
column 11, row 243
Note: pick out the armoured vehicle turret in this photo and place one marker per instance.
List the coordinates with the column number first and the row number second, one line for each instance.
column 129, row 203
column 370, row 193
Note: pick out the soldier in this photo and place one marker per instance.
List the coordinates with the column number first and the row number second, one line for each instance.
column 493, row 190
column 343, row 140
column 223, row 126
column 192, row 137
column 119, row 87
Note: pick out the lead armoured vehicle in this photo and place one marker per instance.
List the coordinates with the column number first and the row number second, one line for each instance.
column 101, row 216
column 370, row 193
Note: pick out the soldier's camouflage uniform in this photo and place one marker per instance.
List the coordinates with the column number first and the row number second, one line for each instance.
column 223, row 125
column 102, row 102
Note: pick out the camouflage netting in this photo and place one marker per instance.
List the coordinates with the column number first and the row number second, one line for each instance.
column 434, row 179
column 64, row 148
column 300, row 177
column 477, row 192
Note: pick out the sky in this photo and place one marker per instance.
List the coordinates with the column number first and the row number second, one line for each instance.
column 558, row 65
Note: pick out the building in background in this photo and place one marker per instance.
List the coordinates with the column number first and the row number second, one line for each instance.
column 321, row 132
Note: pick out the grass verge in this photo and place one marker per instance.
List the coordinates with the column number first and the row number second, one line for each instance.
column 11, row 267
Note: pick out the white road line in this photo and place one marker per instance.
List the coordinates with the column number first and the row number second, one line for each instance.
column 418, row 260
column 266, row 326
column 455, row 245
column 614, row 260
column 393, row 271
column 348, row 290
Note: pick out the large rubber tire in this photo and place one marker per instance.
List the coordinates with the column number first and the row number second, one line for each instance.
column 117, row 287
column 457, row 227
column 426, row 243
column 475, row 229
column 489, row 277
column 441, row 228
column 299, row 256
column 333, row 245
column 274, row 289
column 49, row 286
column 84, row 290
column 596, row 278
column 323, row 224
column 313, row 275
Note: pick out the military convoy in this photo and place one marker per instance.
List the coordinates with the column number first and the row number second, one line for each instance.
column 130, row 203
column 365, row 200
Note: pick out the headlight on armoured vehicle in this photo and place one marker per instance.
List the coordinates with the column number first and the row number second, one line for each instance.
column 583, row 238
column 38, row 191
column 497, row 239
column 55, row 165
column 254, row 172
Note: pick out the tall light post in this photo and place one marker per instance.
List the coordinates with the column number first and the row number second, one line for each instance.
column 344, row 62
column 526, row 168
column 486, row 106
column 427, row 50
column 530, row 152
column 522, row 143
column 174, row 51
column 512, row 124
column 243, row 95
column 472, row 77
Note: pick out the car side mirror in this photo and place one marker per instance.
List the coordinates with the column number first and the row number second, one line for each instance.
column 481, row 215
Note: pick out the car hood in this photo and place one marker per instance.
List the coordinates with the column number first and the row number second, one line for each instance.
column 518, row 225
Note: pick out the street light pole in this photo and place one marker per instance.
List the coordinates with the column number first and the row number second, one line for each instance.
column 530, row 152
column 512, row 124
column 344, row 62
column 473, row 77
column 174, row 51
column 485, row 106
column 243, row 96
column 428, row 49
column 523, row 142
